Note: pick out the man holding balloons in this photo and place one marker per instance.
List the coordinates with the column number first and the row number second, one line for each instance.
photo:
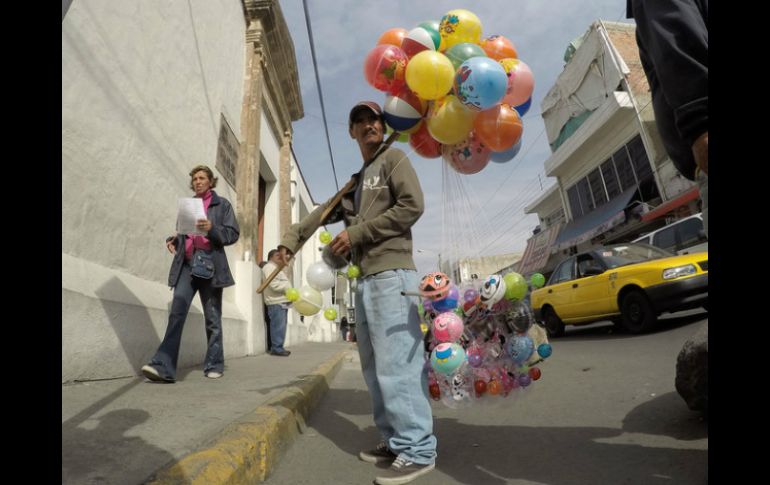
column 378, row 215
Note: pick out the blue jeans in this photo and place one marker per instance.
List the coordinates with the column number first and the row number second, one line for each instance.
column 166, row 357
column 392, row 361
column 277, row 315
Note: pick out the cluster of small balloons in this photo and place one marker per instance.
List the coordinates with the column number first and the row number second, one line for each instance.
column 320, row 276
column 481, row 338
column 454, row 93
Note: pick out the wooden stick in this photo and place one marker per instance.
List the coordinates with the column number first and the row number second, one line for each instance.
column 336, row 200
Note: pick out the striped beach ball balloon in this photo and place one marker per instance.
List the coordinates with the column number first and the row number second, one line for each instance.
column 404, row 110
column 420, row 39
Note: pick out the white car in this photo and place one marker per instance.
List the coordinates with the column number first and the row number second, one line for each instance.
column 684, row 236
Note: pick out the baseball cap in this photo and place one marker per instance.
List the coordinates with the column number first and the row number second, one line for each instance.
column 371, row 105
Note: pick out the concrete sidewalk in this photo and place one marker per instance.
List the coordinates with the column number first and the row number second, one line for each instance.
column 198, row 430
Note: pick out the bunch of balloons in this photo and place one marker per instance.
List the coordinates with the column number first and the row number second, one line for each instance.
column 320, row 276
column 481, row 339
column 456, row 94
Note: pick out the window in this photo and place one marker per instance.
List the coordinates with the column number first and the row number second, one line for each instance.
column 227, row 151
column 610, row 179
column 574, row 202
column 586, row 201
column 597, row 187
column 563, row 272
column 691, row 232
column 624, row 169
column 665, row 239
column 584, row 261
column 639, row 159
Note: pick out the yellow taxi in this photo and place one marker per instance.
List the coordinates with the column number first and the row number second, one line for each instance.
column 628, row 283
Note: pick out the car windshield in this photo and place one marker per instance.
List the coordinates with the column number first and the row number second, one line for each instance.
column 630, row 253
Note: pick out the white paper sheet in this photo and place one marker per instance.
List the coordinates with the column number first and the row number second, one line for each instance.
column 190, row 210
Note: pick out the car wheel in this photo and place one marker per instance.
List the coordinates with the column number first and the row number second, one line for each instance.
column 553, row 324
column 637, row 313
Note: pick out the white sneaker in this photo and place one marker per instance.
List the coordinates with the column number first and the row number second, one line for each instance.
column 213, row 374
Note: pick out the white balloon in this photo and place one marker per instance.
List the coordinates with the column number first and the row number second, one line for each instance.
column 320, row 276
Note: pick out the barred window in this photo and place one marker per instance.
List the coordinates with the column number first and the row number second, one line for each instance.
column 227, row 151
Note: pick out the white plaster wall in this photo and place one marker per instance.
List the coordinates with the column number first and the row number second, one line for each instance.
column 143, row 85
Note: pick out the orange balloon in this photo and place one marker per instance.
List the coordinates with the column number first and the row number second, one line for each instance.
column 499, row 127
column 498, row 47
column 393, row 37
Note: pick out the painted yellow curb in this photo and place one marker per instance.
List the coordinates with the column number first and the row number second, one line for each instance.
column 247, row 451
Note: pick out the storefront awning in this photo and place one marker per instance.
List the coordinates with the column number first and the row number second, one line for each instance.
column 538, row 249
column 670, row 205
column 600, row 220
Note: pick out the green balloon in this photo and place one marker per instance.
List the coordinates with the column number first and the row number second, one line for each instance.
column 325, row 237
column 354, row 271
column 292, row 294
column 515, row 286
column 330, row 313
column 460, row 53
column 537, row 280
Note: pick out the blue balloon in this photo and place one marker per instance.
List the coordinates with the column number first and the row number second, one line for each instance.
column 523, row 107
column 480, row 83
column 507, row 155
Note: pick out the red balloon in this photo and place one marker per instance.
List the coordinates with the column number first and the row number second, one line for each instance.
column 424, row 144
column 535, row 373
column 499, row 127
column 385, row 68
column 480, row 387
column 435, row 391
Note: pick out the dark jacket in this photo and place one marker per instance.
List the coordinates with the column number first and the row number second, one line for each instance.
column 673, row 39
column 224, row 232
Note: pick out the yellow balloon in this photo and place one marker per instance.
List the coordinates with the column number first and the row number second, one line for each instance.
column 449, row 121
column 430, row 74
column 309, row 302
column 459, row 26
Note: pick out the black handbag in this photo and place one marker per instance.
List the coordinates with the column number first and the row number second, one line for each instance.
column 202, row 265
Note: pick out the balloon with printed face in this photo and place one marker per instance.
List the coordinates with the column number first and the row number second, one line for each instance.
column 467, row 157
column 447, row 327
column 424, row 144
column 435, row 286
column 521, row 82
column 449, row 121
column 385, row 68
column 498, row 47
column 320, row 276
column 493, row 290
column 429, row 75
column 480, row 83
column 309, row 302
column 499, row 127
column 459, row 26
column 394, row 36
column 447, row 357
column 519, row 348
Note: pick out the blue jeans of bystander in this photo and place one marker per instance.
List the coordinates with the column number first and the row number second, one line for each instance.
column 277, row 314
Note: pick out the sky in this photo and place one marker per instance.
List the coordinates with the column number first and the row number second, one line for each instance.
column 465, row 215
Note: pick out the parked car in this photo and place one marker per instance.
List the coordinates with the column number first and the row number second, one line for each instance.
column 684, row 236
column 628, row 283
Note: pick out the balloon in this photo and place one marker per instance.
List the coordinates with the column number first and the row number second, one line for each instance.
column 393, row 36
column 331, row 259
column 292, row 294
column 447, row 327
column 309, row 302
column 420, row 39
column 446, row 357
column 403, row 110
column 429, row 74
column 544, row 350
column 449, row 121
column 433, row 26
column 320, row 276
column 535, row 373
column 480, row 83
column 401, row 138
column 493, row 290
column 516, row 286
column 537, row 280
column 459, row 26
column 330, row 313
column 423, row 143
column 499, row 127
column 325, row 237
column 449, row 302
column 460, row 53
column 385, row 68
column 354, row 271
column 507, row 155
column 520, row 348
column 521, row 83
column 467, row 157
column 498, row 47
column 523, row 107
